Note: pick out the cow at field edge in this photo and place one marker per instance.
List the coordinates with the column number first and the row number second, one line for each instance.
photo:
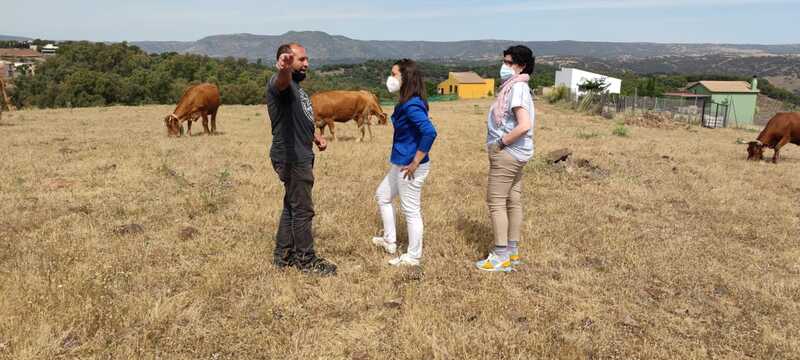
column 782, row 129
column 342, row 106
column 197, row 101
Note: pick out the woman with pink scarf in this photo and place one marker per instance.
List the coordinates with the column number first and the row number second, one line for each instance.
column 509, row 143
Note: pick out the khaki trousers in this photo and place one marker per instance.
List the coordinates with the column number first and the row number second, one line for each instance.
column 504, row 195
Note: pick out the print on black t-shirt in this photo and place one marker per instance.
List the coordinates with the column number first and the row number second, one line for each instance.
column 292, row 119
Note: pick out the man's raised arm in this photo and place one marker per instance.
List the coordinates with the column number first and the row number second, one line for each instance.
column 284, row 66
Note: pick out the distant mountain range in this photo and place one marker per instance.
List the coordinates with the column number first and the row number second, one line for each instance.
column 779, row 63
column 13, row 38
column 335, row 48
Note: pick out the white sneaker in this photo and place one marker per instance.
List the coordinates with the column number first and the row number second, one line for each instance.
column 495, row 263
column 404, row 260
column 390, row 248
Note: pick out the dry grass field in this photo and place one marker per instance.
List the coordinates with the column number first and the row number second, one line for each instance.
column 666, row 244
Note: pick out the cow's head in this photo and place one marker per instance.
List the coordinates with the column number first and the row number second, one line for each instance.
column 382, row 118
column 173, row 126
column 755, row 151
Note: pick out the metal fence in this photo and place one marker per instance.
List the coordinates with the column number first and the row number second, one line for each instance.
column 766, row 113
column 714, row 115
column 686, row 110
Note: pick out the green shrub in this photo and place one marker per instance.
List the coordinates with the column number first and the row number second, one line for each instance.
column 558, row 94
column 586, row 102
column 620, row 130
column 581, row 134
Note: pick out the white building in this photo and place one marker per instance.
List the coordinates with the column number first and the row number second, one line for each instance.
column 49, row 49
column 572, row 78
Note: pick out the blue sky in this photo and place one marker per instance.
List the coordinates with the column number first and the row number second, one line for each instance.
column 685, row 21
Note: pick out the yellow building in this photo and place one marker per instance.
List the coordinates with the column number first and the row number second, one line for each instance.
column 467, row 85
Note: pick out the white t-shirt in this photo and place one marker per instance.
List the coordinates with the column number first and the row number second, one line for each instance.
column 522, row 149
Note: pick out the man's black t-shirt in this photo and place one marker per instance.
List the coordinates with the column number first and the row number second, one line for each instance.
column 292, row 120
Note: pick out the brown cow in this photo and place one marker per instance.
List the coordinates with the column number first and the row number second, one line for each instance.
column 197, row 101
column 782, row 129
column 342, row 106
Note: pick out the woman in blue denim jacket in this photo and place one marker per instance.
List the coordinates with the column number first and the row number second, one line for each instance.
column 413, row 137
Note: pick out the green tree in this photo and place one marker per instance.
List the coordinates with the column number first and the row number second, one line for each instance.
column 594, row 86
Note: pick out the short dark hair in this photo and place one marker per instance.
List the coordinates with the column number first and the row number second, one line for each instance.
column 522, row 55
column 413, row 83
column 286, row 49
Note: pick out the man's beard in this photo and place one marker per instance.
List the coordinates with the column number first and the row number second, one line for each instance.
column 298, row 76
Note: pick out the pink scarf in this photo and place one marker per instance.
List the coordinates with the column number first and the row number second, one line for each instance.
column 501, row 104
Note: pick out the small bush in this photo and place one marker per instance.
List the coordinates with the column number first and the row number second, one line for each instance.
column 214, row 196
column 558, row 94
column 591, row 103
column 586, row 135
column 585, row 103
column 620, row 130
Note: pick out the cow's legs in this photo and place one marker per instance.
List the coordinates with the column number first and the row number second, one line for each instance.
column 361, row 121
column 214, row 122
column 188, row 127
column 776, row 155
column 332, row 127
column 369, row 128
column 361, row 128
column 205, row 123
column 321, row 127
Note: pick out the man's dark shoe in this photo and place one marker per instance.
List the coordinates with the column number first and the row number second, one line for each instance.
column 318, row 266
column 283, row 261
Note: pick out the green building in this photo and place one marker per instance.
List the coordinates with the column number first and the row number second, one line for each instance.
column 739, row 96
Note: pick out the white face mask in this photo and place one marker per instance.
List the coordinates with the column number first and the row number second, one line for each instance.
column 506, row 72
column 393, row 84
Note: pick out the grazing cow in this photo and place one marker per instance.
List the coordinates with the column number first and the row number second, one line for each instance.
column 782, row 129
column 343, row 106
column 197, row 101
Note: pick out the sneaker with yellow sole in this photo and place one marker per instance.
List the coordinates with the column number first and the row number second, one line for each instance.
column 494, row 263
column 514, row 257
